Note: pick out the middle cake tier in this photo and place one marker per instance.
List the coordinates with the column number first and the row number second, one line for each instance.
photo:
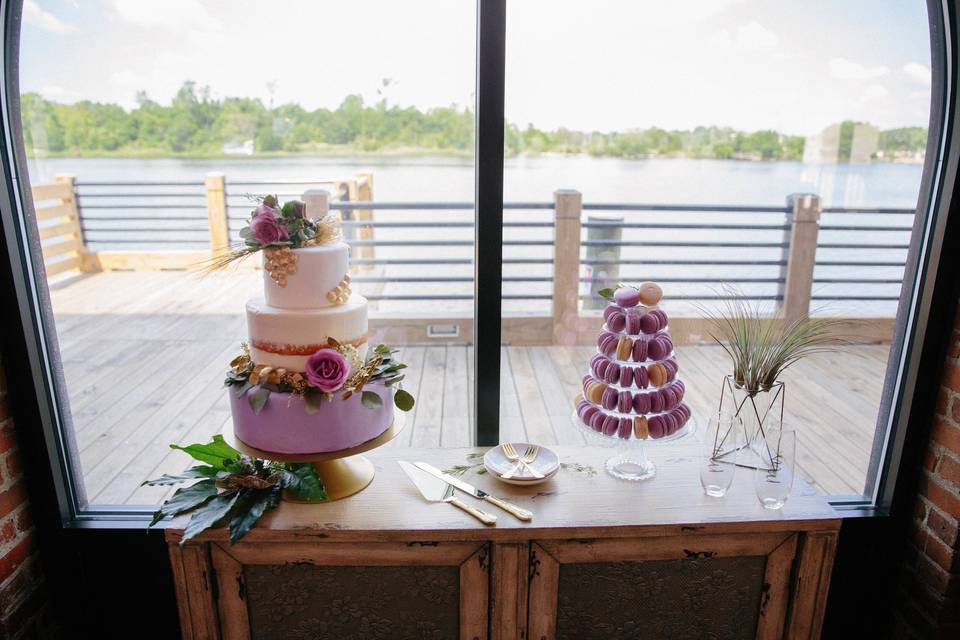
column 287, row 337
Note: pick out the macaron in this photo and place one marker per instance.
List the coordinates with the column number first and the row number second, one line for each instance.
column 656, row 402
column 602, row 336
column 660, row 316
column 625, row 428
column 626, row 376
column 633, row 322
column 610, row 425
column 671, row 367
column 624, row 401
column 655, row 426
column 588, row 413
column 667, row 398
column 597, row 420
column 627, row 296
column 670, row 422
column 649, row 323
column 649, row 293
column 610, row 308
column 642, row 377
column 617, row 321
column 600, row 368
column 657, row 374
column 612, row 373
column 609, row 398
column 624, row 348
column 640, row 428
column 641, row 403
column 595, row 392
column 658, row 348
column 609, row 345
column 640, row 349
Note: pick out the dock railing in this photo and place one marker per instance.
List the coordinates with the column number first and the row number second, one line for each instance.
column 556, row 254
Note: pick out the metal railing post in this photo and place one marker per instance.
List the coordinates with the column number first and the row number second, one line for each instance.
column 802, row 255
column 567, row 208
column 215, row 185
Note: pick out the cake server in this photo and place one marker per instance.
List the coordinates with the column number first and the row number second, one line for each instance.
column 436, row 490
column 480, row 494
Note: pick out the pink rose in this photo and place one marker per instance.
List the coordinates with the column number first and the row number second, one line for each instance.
column 327, row 370
column 265, row 226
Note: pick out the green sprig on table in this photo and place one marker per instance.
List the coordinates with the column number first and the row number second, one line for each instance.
column 232, row 489
column 479, row 469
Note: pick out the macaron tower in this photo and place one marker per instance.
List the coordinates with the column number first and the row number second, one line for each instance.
column 632, row 389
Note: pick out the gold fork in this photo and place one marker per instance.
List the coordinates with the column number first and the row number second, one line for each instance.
column 529, row 455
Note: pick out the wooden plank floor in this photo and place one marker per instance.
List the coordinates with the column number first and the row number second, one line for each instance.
column 144, row 355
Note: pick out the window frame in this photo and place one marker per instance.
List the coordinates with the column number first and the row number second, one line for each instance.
column 924, row 315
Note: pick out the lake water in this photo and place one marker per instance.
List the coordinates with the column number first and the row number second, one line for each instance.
column 534, row 179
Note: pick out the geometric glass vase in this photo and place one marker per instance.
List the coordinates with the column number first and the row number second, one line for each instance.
column 758, row 414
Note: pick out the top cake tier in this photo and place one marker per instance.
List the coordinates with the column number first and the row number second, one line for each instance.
column 319, row 270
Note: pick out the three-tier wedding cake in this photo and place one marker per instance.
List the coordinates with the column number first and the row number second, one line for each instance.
column 307, row 381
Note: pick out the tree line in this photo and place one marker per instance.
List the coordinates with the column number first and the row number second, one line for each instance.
column 197, row 124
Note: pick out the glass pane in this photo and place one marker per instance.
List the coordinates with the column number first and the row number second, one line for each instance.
column 680, row 132
column 130, row 155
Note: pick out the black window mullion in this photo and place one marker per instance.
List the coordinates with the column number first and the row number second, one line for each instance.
column 488, row 248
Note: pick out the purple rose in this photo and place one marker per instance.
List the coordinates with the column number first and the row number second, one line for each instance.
column 327, row 370
column 265, row 226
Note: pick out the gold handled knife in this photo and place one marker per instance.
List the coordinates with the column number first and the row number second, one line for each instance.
column 436, row 490
column 480, row 494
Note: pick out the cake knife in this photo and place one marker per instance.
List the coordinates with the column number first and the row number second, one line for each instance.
column 480, row 494
column 435, row 490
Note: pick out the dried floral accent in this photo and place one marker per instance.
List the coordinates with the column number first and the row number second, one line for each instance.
column 280, row 263
column 300, row 349
column 327, row 230
column 341, row 293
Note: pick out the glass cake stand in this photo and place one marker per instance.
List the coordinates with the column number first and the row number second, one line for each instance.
column 630, row 461
column 344, row 472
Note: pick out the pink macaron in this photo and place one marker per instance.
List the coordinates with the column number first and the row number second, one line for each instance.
column 602, row 336
column 640, row 350
column 658, row 348
column 655, row 425
column 624, row 401
column 597, row 420
column 641, row 403
column 609, row 345
column 610, row 425
column 633, row 322
column 641, row 377
column 627, row 296
column 610, row 308
column 617, row 321
column 626, row 376
column 649, row 323
column 609, row 398
column 625, row 428
column 612, row 373
column 656, row 402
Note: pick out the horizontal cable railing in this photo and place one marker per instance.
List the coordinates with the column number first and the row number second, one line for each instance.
column 399, row 245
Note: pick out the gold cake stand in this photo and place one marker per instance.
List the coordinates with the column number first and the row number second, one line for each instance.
column 344, row 472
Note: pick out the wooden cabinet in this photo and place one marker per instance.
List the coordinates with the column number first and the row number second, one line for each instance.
column 384, row 564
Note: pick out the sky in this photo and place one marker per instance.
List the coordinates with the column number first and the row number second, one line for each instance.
column 791, row 65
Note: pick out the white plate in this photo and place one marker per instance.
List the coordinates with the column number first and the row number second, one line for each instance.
column 496, row 462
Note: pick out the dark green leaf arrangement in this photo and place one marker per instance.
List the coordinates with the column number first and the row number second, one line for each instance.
column 381, row 366
column 232, row 489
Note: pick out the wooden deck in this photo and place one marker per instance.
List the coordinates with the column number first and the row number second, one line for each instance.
column 144, row 355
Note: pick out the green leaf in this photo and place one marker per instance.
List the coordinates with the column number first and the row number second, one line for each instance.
column 607, row 294
column 403, row 400
column 312, row 399
column 246, row 233
column 208, row 515
column 270, row 201
column 371, row 400
column 240, row 388
column 302, row 480
column 213, row 453
column 185, row 499
column 190, row 474
column 249, row 508
column 258, row 399
column 381, row 349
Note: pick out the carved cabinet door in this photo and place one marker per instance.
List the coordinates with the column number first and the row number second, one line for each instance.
column 695, row 586
column 314, row 590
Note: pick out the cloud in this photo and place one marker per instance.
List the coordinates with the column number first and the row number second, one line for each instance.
column 749, row 37
column 874, row 92
column 42, row 19
column 844, row 69
column 176, row 15
column 919, row 73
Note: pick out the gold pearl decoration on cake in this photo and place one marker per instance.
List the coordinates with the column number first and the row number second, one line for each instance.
column 341, row 293
column 280, row 263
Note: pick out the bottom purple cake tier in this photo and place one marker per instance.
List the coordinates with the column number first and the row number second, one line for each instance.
column 284, row 426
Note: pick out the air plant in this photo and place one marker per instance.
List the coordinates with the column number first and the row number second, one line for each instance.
column 762, row 346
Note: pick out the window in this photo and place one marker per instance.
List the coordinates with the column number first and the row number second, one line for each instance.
column 143, row 163
column 661, row 145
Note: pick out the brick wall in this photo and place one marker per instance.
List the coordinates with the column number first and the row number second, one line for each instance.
column 23, row 606
column 930, row 598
